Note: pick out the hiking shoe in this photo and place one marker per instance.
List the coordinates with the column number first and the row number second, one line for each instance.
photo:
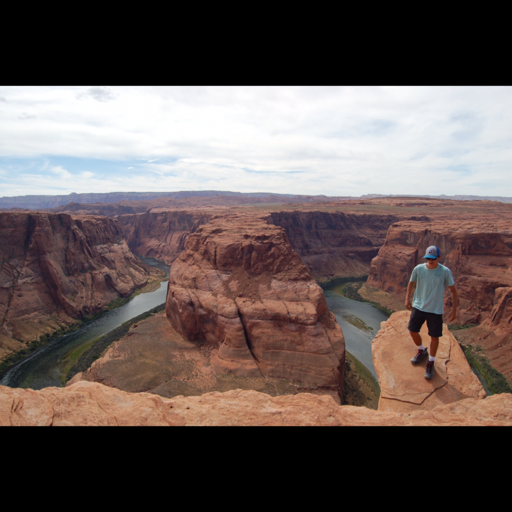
column 421, row 354
column 429, row 372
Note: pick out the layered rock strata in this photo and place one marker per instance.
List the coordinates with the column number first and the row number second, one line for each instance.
column 57, row 268
column 335, row 244
column 331, row 244
column 93, row 404
column 160, row 233
column 403, row 386
column 478, row 252
column 241, row 287
column 494, row 334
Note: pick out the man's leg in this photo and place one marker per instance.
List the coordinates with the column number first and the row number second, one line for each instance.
column 434, row 343
column 435, row 331
column 416, row 338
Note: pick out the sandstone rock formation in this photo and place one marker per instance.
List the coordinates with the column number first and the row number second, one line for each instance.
column 334, row 239
column 477, row 251
column 154, row 358
column 240, row 287
column 494, row 334
column 57, row 268
column 90, row 403
column 160, row 233
column 403, row 387
column 334, row 244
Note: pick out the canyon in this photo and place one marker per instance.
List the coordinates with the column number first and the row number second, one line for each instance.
column 57, row 269
column 454, row 398
column 243, row 292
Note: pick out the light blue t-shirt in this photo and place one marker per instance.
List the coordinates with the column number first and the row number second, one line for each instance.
column 428, row 296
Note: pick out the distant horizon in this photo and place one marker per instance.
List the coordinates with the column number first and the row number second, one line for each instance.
column 262, row 193
column 49, row 201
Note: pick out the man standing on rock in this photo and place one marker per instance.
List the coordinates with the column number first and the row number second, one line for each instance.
column 429, row 279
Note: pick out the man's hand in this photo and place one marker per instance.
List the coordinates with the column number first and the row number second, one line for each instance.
column 408, row 304
column 455, row 302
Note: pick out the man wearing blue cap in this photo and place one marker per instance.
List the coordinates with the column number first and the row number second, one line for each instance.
column 430, row 280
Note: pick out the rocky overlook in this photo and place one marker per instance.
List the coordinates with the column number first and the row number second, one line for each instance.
column 241, row 287
column 403, row 388
column 58, row 268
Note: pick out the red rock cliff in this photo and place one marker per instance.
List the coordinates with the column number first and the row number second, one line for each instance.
column 241, row 287
column 330, row 244
column 57, row 268
column 161, row 233
column 335, row 244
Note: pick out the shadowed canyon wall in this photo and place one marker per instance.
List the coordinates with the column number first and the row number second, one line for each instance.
column 335, row 244
column 330, row 244
column 57, row 268
column 160, row 234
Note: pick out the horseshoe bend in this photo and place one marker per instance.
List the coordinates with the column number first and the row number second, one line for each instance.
column 244, row 306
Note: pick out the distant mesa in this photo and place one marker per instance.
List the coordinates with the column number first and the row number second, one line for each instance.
column 38, row 202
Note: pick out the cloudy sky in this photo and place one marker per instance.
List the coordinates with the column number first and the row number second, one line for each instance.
column 344, row 141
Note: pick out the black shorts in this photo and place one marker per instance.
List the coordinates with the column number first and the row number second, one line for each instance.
column 434, row 322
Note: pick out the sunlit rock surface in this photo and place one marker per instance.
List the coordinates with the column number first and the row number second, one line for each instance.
column 241, row 287
column 403, row 386
column 90, row 403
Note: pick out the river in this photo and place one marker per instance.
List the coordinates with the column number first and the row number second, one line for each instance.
column 41, row 369
column 359, row 322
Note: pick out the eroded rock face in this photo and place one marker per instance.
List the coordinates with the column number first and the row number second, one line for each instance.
column 403, row 386
column 57, row 268
column 335, row 244
column 90, row 403
column 160, row 233
column 494, row 334
column 478, row 252
column 241, row 287
column 154, row 358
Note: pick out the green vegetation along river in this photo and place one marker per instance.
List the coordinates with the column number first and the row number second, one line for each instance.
column 45, row 366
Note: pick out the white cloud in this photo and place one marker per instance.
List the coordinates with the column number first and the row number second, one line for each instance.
column 326, row 140
column 61, row 172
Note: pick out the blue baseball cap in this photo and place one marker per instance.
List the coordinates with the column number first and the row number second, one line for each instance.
column 432, row 252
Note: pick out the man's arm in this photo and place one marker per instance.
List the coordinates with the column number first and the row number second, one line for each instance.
column 410, row 289
column 455, row 302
